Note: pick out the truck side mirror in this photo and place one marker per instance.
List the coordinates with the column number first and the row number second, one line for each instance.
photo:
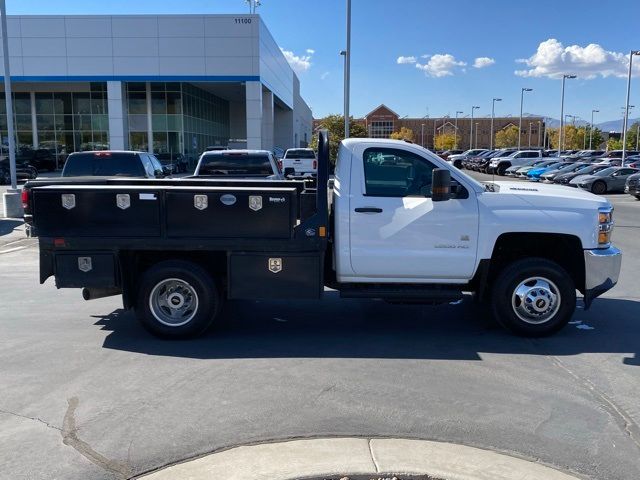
column 440, row 185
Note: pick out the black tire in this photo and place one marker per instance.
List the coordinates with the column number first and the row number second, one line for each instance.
column 509, row 311
column 198, row 315
column 501, row 169
column 599, row 187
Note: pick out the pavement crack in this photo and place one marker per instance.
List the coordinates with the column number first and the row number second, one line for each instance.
column 622, row 418
column 373, row 457
column 70, row 438
column 35, row 419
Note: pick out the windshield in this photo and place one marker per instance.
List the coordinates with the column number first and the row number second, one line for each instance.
column 302, row 153
column 606, row 171
column 105, row 164
column 235, row 164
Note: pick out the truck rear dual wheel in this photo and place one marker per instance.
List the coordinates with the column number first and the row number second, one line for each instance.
column 177, row 299
column 533, row 297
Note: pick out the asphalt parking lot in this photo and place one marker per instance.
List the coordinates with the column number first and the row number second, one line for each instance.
column 86, row 393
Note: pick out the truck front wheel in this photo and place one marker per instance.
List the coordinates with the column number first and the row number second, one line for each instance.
column 177, row 299
column 533, row 297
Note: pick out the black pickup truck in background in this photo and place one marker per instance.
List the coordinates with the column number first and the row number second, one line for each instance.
column 113, row 163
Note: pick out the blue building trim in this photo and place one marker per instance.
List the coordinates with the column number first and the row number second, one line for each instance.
column 136, row 78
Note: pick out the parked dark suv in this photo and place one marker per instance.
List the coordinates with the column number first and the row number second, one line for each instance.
column 41, row 159
column 113, row 163
column 176, row 162
column 24, row 171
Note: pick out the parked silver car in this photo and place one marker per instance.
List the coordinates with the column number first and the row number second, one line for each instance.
column 609, row 180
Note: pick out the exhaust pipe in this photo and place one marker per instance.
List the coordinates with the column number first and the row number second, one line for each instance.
column 93, row 293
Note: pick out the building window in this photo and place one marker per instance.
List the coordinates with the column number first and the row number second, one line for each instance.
column 380, row 129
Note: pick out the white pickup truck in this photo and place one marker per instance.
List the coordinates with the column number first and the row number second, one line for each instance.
column 303, row 161
column 516, row 159
column 398, row 223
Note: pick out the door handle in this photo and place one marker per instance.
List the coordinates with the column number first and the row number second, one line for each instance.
column 368, row 210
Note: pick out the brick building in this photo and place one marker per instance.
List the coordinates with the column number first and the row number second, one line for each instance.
column 382, row 121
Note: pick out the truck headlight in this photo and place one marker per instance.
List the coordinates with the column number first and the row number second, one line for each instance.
column 605, row 226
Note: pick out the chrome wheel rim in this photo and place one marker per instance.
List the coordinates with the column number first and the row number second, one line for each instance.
column 536, row 300
column 173, row 302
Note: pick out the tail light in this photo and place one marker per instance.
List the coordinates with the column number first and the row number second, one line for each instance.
column 280, row 164
column 24, row 196
column 315, row 164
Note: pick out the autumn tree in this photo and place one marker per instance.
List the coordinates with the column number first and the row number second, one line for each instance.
column 403, row 134
column 507, row 137
column 335, row 125
column 445, row 141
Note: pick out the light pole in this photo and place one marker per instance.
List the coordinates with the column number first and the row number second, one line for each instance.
column 476, row 133
column 252, row 5
column 347, row 69
column 591, row 129
column 522, row 90
column 473, row 108
column 564, row 77
column 626, row 113
column 422, row 134
column 455, row 142
column 493, row 114
column 12, row 207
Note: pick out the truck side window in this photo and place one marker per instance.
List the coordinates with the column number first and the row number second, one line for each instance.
column 148, row 166
column 391, row 172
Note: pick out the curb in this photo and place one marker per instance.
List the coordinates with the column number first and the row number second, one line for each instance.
column 325, row 457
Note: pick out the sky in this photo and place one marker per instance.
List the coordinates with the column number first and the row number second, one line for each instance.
column 422, row 57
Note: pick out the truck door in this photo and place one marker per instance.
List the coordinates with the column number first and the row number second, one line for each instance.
column 396, row 232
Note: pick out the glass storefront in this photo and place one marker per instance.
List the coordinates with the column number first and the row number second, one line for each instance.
column 65, row 121
column 184, row 119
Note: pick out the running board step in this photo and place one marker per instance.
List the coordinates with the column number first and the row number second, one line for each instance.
column 402, row 293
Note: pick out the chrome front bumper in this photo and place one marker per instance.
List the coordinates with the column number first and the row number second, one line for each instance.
column 601, row 272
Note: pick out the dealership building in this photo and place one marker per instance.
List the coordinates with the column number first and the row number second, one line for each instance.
column 158, row 83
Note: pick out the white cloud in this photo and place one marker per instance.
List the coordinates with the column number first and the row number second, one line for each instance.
column 552, row 59
column 440, row 65
column 300, row 63
column 403, row 60
column 324, row 76
column 482, row 62
column 310, row 51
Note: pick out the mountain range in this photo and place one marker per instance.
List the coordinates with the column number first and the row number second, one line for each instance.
column 608, row 126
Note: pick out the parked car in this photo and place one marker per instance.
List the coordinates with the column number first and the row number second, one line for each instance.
column 534, row 174
column 113, row 163
column 303, row 161
column 174, row 162
column 549, row 176
column 24, row 172
column 587, row 155
column 500, row 165
column 240, row 164
column 511, row 171
column 612, row 179
column 447, row 153
column 614, row 158
column 522, row 172
column 41, row 159
column 632, row 186
column 473, row 162
column 590, row 169
column 474, row 152
column 633, row 161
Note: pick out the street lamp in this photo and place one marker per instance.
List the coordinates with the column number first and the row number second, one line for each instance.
column 564, row 77
column 522, row 90
column 473, row 108
column 626, row 113
column 591, row 129
column 455, row 146
column 347, row 69
column 493, row 112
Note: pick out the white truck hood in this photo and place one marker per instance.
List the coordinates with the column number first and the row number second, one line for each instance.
column 544, row 195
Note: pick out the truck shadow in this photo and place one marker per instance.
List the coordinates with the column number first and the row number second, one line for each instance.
column 375, row 329
column 7, row 226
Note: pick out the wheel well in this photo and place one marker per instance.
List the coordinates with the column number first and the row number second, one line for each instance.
column 565, row 250
column 133, row 264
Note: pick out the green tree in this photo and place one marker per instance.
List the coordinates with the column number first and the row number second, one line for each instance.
column 597, row 137
column 632, row 136
column 445, row 141
column 507, row 137
column 614, row 144
column 403, row 134
column 335, row 125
